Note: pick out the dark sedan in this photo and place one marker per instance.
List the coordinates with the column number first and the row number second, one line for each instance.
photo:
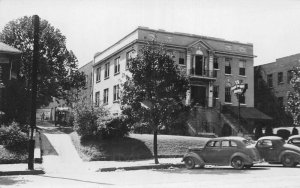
column 295, row 140
column 273, row 149
column 235, row 151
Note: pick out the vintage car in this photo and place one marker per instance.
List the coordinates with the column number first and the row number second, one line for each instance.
column 295, row 140
column 235, row 151
column 274, row 150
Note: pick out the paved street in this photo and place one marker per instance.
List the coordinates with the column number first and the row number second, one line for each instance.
column 211, row 177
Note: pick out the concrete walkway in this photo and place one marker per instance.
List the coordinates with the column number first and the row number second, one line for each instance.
column 60, row 155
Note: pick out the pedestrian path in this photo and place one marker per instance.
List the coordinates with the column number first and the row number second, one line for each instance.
column 60, row 155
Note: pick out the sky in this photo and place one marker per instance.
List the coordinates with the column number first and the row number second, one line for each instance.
column 91, row 26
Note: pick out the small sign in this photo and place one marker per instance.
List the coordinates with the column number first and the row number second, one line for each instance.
column 238, row 91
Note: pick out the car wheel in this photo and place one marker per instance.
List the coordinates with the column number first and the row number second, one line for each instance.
column 248, row 166
column 237, row 163
column 288, row 161
column 189, row 163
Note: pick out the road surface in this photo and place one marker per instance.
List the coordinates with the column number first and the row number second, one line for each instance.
column 211, row 177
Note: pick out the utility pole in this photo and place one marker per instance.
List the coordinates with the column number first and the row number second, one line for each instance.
column 36, row 25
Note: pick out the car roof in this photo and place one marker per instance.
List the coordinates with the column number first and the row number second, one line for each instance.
column 229, row 138
column 294, row 136
column 270, row 138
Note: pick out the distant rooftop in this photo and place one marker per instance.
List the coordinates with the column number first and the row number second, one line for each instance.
column 4, row 48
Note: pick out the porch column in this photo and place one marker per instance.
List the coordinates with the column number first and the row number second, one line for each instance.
column 188, row 62
column 188, row 97
column 210, row 62
column 210, row 94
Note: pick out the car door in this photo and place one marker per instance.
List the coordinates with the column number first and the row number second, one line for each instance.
column 226, row 152
column 211, row 152
column 267, row 150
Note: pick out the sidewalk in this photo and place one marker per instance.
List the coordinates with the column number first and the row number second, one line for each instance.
column 20, row 169
column 61, row 157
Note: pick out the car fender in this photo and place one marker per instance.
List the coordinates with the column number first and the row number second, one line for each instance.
column 297, row 159
column 198, row 160
column 248, row 160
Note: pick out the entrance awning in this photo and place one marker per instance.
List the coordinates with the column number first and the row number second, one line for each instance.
column 249, row 113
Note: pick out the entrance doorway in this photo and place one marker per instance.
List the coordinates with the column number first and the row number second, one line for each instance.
column 198, row 95
column 198, row 65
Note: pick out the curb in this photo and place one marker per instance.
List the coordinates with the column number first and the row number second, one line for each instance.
column 144, row 167
column 26, row 172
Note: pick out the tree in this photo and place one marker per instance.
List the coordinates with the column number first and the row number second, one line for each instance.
column 154, row 94
column 57, row 66
column 293, row 97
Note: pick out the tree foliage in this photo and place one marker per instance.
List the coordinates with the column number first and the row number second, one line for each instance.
column 57, row 71
column 154, row 94
column 293, row 97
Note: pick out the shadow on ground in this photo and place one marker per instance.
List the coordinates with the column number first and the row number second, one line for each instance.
column 47, row 148
column 212, row 170
column 10, row 180
column 118, row 149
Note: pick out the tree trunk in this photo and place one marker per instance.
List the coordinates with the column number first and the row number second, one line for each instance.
column 155, row 147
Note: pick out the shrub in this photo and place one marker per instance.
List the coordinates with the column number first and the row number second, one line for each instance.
column 269, row 131
column 283, row 133
column 295, row 131
column 112, row 127
column 85, row 119
column 12, row 138
column 258, row 132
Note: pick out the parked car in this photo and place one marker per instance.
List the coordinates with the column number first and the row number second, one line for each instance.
column 235, row 151
column 295, row 140
column 274, row 150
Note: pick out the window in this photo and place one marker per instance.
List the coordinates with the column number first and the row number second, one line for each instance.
column 106, row 73
column 228, row 65
column 270, row 80
column 242, row 66
column 216, row 92
column 216, row 63
column 105, row 96
column 227, row 94
column 289, row 76
column 213, row 144
column 280, row 102
column 129, row 55
column 98, row 74
column 117, row 65
column 116, row 92
column 233, row 144
column 280, row 78
column 242, row 99
column 264, row 143
column 181, row 58
column 225, row 143
column 97, row 98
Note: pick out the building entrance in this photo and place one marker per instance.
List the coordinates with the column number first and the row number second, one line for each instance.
column 198, row 95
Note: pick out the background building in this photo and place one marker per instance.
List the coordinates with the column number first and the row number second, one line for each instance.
column 8, row 72
column 86, row 93
column 272, row 82
column 213, row 65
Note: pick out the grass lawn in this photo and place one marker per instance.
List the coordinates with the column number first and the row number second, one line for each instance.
column 7, row 156
column 135, row 146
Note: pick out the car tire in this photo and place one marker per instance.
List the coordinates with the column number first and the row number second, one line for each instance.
column 189, row 163
column 237, row 163
column 288, row 161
